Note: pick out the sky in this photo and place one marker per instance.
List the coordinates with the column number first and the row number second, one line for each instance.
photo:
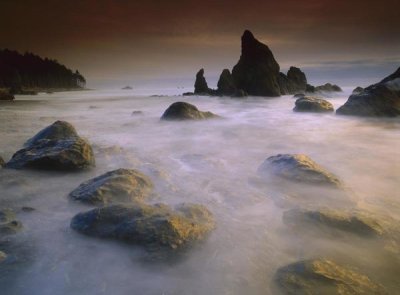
column 122, row 42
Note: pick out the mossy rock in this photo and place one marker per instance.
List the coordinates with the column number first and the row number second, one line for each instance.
column 117, row 186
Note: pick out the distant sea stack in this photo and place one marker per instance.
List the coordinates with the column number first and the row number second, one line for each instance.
column 28, row 73
column 257, row 73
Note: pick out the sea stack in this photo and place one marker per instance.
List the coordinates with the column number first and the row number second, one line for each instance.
column 257, row 71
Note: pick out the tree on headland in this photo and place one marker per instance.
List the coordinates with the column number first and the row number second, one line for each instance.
column 30, row 71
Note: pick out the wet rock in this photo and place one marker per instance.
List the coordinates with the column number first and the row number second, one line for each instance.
column 313, row 104
column 357, row 90
column 2, row 163
column 328, row 87
column 322, row 276
column 6, row 96
column 299, row 95
column 57, row 147
column 118, row 186
column 200, row 85
column 294, row 82
column 185, row 111
column 8, row 223
column 257, row 71
column 378, row 100
column 358, row 222
column 156, row 227
column 297, row 168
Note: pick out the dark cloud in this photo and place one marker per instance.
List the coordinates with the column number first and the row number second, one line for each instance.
column 156, row 38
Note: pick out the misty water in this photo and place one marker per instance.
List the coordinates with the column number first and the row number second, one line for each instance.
column 211, row 162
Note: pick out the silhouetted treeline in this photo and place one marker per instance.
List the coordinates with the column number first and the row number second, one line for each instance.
column 28, row 70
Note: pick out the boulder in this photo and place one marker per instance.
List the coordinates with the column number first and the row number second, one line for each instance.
column 313, row 104
column 185, row 111
column 57, row 147
column 378, row 100
column 117, row 186
column 4, row 95
column 357, row 90
column 8, row 223
column 156, row 227
column 297, row 168
column 298, row 80
column 257, row 71
column 358, row 222
column 323, row 276
column 200, row 85
column 328, row 87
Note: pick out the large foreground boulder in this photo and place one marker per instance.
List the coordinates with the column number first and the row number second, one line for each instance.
column 312, row 104
column 257, row 71
column 378, row 100
column 297, row 168
column 185, row 111
column 117, row 186
column 322, row 276
column 156, row 227
column 57, row 147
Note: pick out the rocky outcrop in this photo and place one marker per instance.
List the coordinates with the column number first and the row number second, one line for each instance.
column 200, row 85
column 312, row 104
column 328, row 87
column 185, row 111
column 156, row 227
column 378, row 100
column 322, row 276
column 257, row 71
column 57, row 147
column 227, row 87
column 117, row 186
column 297, row 168
column 294, row 82
column 357, row 90
column 6, row 96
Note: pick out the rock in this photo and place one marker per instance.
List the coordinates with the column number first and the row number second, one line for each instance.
column 357, row 90
column 257, row 71
column 299, row 95
column 56, row 147
column 127, row 88
column 8, row 224
column 378, row 100
column 6, row 96
column 328, row 87
column 226, row 84
column 322, row 276
column 358, row 222
column 295, row 81
column 136, row 113
column 312, row 104
column 2, row 163
column 156, row 227
column 185, row 111
column 118, row 186
column 200, row 85
column 297, row 168
column 188, row 94
column 3, row 256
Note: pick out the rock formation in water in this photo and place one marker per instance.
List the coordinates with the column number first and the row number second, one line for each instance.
column 185, row 111
column 56, row 147
column 357, row 90
column 294, row 82
column 117, row 186
column 25, row 73
column 323, row 276
column 200, row 85
column 156, row 227
column 257, row 71
column 312, row 104
column 378, row 100
column 297, row 168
